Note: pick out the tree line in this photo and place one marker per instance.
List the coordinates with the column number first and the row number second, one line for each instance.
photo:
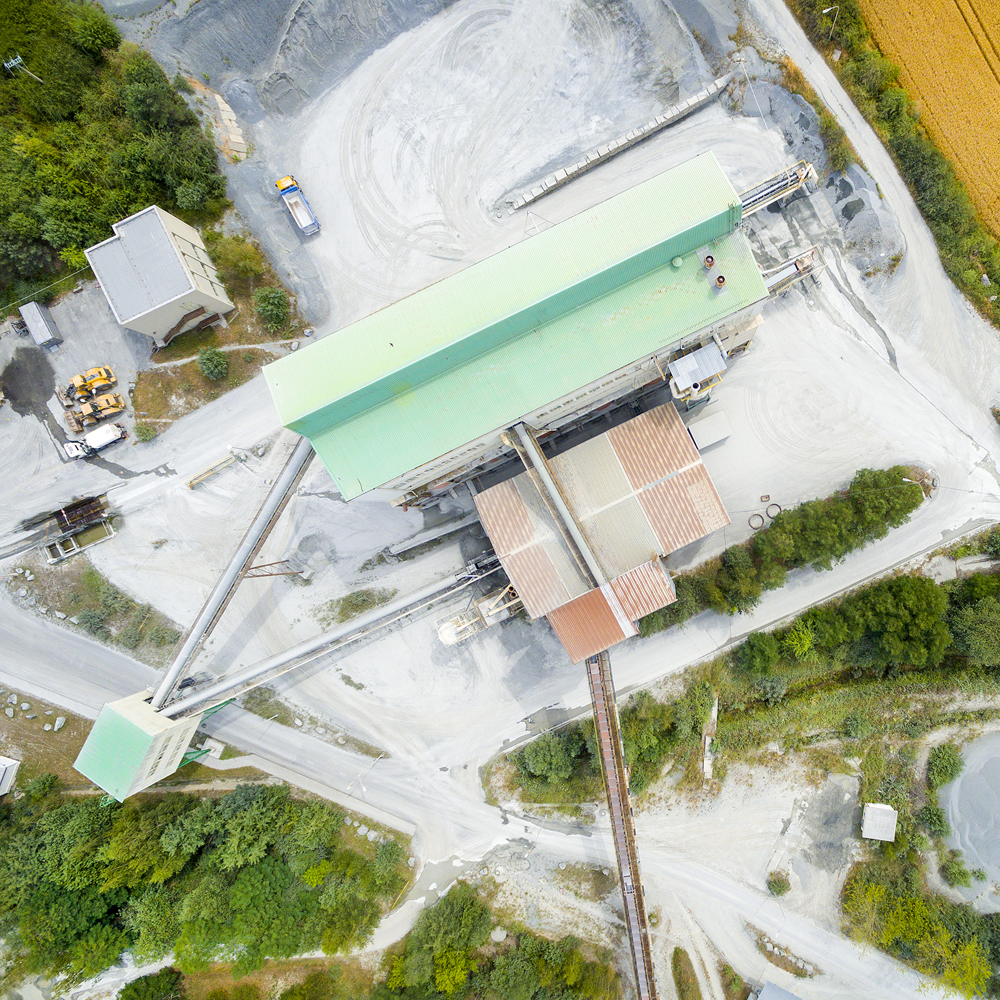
column 968, row 250
column 103, row 135
column 448, row 954
column 251, row 875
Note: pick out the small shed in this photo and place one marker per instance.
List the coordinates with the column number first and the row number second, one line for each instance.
column 709, row 429
column 8, row 772
column 878, row 822
column 41, row 325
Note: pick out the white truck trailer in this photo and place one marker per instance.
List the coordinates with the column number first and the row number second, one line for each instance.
column 298, row 207
column 90, row 444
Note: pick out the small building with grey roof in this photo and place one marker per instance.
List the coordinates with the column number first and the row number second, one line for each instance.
column 158, row 277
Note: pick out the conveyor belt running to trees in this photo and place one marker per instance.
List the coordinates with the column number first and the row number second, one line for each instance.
column 602, row 696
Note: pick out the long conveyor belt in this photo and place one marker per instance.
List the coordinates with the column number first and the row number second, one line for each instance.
column 602, row 695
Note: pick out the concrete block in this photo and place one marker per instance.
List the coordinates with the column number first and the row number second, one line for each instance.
column 592, row 157
column 603, row 150
column 560, row 175
column 536, row 191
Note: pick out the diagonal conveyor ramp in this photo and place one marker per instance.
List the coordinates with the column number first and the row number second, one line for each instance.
column 602, row 695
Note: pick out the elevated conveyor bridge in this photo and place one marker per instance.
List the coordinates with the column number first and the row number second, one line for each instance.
column 778, row 186
column 602, row 696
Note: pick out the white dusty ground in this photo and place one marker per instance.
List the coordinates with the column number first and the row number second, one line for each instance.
column 404, row 158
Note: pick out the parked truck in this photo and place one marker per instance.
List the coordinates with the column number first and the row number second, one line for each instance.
column 90, row 444
column 298, row 207
column 90, row 383
column 102, row 407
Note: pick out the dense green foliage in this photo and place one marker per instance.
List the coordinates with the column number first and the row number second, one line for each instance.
column 167, row 984
column 213, row 363
column 443, row 957
column 104, row 135
column 272, row 306
column 245, row 877
column 236, row 258
column 967, row 249
column 944, row 765
column 650, row 730
column 817, row 533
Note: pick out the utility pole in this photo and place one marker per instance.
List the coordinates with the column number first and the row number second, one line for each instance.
column 17, row 63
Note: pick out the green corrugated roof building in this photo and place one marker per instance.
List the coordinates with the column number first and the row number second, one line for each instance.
column 480, row 350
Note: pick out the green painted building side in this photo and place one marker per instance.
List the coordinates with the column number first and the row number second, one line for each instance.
column 482, row 348
column 114, row 753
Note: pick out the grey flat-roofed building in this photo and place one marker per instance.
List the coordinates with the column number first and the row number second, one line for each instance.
column 157, row 276
column 878, row 822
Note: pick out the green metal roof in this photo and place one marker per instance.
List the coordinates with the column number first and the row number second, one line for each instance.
column 114, row 753
column 482, row 348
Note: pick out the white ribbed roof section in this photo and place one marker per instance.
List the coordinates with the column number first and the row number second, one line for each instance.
column 139, row 267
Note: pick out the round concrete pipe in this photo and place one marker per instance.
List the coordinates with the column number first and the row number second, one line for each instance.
column 231, row 573
column 314, row 645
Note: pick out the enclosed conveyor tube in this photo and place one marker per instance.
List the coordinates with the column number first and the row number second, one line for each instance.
column 237, row 566
column 237, row 683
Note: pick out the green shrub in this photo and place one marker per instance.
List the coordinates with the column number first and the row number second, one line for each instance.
column 145, row 432
column 934, row 818
column 94, row 621
column 213, row 363
column 130, row 636
column 759, row 653
column 944, row 765
column 180, row 83
column 954, row 872
column 160, row 635
column 167, row 984
column 770, row 688
column 235, row 257
column 857, row 727
column 777, row 883
column 272, row 307
column 991, row 545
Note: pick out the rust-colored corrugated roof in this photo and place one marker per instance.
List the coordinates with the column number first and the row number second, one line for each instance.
column 587, row 625
column 637, row 492
column 643, row 590
column 602, row 617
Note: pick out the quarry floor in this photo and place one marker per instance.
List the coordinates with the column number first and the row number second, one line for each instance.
column 405, row 146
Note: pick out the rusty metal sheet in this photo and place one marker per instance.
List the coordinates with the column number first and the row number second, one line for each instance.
column 586, row 626
column 653, row 445
column 684, row 508
column 645, row 589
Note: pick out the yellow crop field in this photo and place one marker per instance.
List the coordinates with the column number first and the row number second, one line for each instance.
column 949, row 51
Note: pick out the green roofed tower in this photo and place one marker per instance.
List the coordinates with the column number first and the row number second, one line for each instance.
column 415, row 397
column 132, row 746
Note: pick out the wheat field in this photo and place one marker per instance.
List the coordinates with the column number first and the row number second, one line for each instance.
column 949, row 51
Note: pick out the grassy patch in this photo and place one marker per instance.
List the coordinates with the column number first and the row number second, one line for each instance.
column 163, row 395
column 42, row 752
column 778, row 956
column 733, row 987
column 839, row 150
column 353, row 605
column 590, row 882
column 356, row 977
column 75, row 588
column 264, row 701
column 351, row 682
column 685, row 979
